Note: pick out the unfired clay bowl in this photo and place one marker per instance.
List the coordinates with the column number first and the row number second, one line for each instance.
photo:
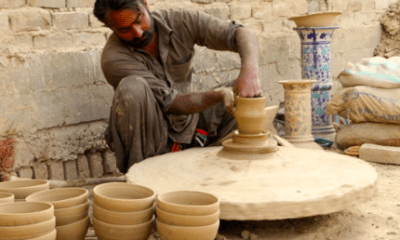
column 76, row 230
column 71, row 214
column 320, row 19
column 22, row 188
column 61, row 197
column 188, row 203
column 122, row 218
column 25, row 213
column 171, row 232
column 28, row 231
column 48, row 236
column 118, row 196
column 6, row 197
column 106, row 231
column 186, row 220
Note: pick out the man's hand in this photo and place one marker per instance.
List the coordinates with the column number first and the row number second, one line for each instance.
column 228, row 96
column 247, row 84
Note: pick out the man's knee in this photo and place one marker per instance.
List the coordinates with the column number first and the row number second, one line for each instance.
column 132, row 89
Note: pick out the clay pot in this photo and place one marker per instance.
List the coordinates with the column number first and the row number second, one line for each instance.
column 171, row 232
column 61, row 197
column 28, row 231
column 71, row 214
column 76, row 230
column 107, row 231
column 321, row 19
column 188, row 203
column 6, row 197
column 123, row 197
column 25, row 213
column 186, row 220
column 122, row 218
column 22, row 188
column 48, row 236
column 250, row 115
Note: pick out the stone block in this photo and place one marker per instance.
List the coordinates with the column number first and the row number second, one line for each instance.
column 254, row 25
column 204, row 60
column 4, row 22
column 80, row 3
column 339, row 6
column 47, row 3
column 239, row 12
column 225, row 1
column 40, row 171
column 382, row 4
column 202, row 1
column 227, row 60
column 282, row 9
column 109, row 161
column 25, row 172
column 70, row 170
column 30, row 20
column 94, row 22
column 261, row 11
column 70, row 20
column 380, row 154
column 83, row 166
column 354, row 6
column 56, row 170
column 12, row 3
column 95, row 165
column 89, row 40
column 368, row 5
column 218, row 10
column 55, row 40
column 300, row 7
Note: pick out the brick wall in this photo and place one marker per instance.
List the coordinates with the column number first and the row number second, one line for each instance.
column 56, row 102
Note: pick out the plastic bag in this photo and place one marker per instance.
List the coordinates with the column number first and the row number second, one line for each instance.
column 376, row 72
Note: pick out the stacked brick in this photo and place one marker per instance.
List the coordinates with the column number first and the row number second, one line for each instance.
column 90, row 165
column 56, row 100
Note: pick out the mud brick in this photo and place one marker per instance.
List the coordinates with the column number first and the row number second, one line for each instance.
column 56, row 170
column 83, row 166
column 95, row 164
column 70, row 170
column 40, row 171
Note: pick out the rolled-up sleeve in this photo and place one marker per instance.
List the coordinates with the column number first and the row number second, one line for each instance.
column 209, row 31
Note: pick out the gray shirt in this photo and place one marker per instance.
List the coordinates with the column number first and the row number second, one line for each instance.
column 178, row 32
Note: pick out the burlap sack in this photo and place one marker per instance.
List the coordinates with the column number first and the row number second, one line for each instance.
column 366, row 104
column 357, row 134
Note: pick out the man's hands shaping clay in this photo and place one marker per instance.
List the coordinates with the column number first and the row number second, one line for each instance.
column 228, row 95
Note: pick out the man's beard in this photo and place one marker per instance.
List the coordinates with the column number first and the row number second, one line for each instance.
column 146, row 38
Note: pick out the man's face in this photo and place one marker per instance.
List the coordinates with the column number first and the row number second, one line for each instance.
column 135, row 29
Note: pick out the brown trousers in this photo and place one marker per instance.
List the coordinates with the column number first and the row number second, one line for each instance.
column 138, row 129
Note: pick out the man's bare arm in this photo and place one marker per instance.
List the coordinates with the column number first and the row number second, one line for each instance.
column 247, row 84
column 194, row 102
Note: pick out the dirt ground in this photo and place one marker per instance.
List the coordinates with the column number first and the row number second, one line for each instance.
column 377, row 219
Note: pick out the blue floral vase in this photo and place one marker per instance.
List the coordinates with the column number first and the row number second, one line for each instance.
column 316, row 65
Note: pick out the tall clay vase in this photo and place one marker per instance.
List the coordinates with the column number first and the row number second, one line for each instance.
column 298, row 112
column 316, row 65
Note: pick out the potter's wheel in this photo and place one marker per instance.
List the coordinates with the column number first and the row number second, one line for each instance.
column 288, row 183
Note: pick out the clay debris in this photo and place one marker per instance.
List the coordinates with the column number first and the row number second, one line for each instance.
column 390, row 42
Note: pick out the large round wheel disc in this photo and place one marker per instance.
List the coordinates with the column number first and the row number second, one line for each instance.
column 288, row 183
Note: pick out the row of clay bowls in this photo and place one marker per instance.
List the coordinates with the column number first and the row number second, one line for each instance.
column 71, row 210
column 123, row 211
column 23, row 188
column 187, row 215
column 26, row 220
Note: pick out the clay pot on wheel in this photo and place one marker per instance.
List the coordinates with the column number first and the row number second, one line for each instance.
column 250, row 115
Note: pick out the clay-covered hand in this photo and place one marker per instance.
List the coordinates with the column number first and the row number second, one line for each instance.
column 248, row 84
column 227, row 93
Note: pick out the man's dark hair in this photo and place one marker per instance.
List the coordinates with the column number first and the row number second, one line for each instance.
column 101, row 7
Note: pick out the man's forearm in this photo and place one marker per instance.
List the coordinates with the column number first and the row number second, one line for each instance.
column 188, row 103
column 248, row 83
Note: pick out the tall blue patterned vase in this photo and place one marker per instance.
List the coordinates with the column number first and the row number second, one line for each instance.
column 316, row 65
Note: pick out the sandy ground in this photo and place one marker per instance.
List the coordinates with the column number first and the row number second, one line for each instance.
column 377, row 219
